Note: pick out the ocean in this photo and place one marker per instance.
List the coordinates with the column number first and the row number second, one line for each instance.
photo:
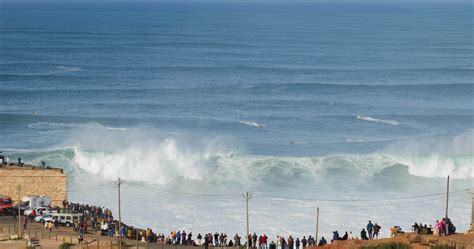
column 362, row 110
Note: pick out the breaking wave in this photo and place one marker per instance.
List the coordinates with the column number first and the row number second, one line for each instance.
column 150, row 155
column 371, row 119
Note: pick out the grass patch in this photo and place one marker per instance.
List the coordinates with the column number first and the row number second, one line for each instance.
column 392, row 245
column 65, row 246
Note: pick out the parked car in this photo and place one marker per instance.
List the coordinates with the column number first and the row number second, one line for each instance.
column 39, row 211
column 45, row 217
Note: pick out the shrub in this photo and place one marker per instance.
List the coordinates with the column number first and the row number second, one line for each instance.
column 442, row 247
column 65, row 246
column 391, row 245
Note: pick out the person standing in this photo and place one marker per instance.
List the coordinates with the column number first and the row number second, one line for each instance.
column 50, row 226
column 265, row 241
column 254, row 239
column 25, row 223
column 376, row 230
column 370, row 229
column 206, row 242
column 237, row 240
column 199, row 237
column 290, row 242
column 304, row 241
column 297, row 243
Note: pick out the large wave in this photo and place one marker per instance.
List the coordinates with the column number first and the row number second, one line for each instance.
column 150, row 155
column 436, row 156
column 147, row 154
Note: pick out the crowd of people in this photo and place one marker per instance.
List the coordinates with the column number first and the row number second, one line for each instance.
column 372, row 232
column 5, row 162
column 443, row 227
column 99, row 220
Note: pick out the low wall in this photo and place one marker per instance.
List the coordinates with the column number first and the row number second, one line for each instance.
column 34, row 181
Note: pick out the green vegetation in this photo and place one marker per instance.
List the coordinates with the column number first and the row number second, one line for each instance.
column 65, row 246
column 392, row 245
column 442, row 247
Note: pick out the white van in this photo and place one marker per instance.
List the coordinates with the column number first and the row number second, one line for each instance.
column 66, row 219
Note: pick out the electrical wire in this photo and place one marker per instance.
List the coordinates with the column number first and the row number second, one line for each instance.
column 181, row 193
column 195, row 196
column 94, row 188
column 356, row 200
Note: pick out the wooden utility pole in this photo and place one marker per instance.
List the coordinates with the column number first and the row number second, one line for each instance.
column 19, row 211
column 119, row 182
column 317, row 225
column 472, row 211
column 447, row 197
column 247, row 197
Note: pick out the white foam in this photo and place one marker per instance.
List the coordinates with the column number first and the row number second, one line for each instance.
column 252, row 123
column 145, row 154
column 436, row 157
column 371, row 119
column 50, row 125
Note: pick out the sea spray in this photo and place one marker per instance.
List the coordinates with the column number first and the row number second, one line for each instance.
column 146, row 154
column 436, row 156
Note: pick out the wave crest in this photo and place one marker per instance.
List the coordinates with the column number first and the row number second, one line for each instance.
column 371, row 119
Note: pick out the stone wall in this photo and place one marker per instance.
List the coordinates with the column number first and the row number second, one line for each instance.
column 34, row 181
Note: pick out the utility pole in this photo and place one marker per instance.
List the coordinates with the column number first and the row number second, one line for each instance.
column 247, row 197
column 317, row 224
column 447, row 197
column 119, row 182
column 19, row 211
column 472, row 211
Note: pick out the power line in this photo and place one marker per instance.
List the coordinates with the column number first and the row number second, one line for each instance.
column 94, row 188
column 182, row 193
column 357, row 200
column 184, row 197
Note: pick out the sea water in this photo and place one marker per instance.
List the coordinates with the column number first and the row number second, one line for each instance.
column 349, row 107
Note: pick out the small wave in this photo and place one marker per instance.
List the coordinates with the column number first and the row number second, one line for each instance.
column 68, row 69
column 350, row 140
column 116, row 129
column 371, row 119
column 55, row 125
column 50, row 125
column 297, row 142
column 252, row 123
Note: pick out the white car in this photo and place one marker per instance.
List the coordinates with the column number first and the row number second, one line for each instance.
column 44, row 218
column 39, row 211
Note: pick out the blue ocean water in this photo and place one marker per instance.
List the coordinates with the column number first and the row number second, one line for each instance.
column 306, row 100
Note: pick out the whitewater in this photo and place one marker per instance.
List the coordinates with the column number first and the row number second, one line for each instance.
column 355, row 110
